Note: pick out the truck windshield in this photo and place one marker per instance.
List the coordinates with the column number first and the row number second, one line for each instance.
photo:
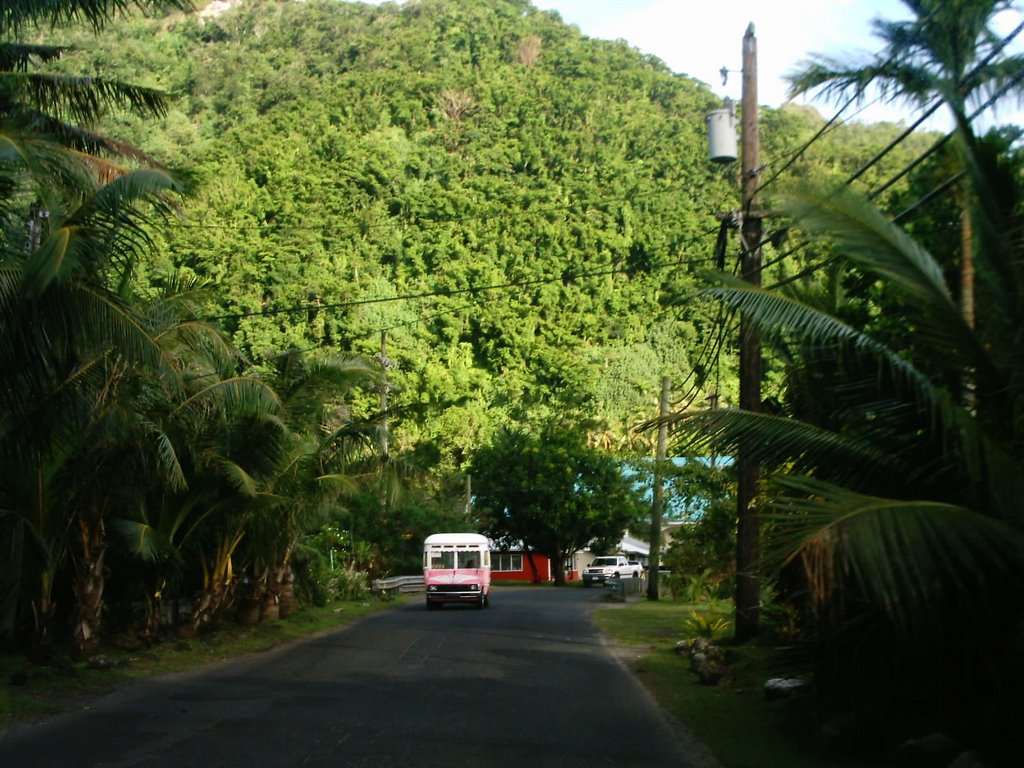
column 605, row 561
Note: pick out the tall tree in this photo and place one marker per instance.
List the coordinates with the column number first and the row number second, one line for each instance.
column 946, row 51
column 67, row 338
column 68, row 344
column 900, row 505
column 552, row 493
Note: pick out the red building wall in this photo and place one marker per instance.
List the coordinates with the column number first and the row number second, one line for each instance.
column 515, row 566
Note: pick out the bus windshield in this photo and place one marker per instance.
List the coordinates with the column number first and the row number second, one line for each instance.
column 442, row 561
column 446, row 559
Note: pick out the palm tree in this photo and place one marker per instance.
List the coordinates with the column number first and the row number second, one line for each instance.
column 46, row 119
column 899, row 507
column 314, row 472
column 947, row 50
column 66, row 342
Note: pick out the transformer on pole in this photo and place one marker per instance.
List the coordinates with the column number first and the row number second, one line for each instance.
column 722, row 134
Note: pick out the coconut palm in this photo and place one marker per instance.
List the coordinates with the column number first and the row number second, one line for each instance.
column 899, row 506
column 314, row 473
column 67, row 343
column 48, row 146
column 946, row 51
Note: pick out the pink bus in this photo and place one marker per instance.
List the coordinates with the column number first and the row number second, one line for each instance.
column 457, row 569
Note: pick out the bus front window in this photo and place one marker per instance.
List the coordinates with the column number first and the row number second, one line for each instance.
column 469, row 559
column 442, row 561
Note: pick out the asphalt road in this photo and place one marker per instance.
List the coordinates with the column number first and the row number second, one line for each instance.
column 526, row 682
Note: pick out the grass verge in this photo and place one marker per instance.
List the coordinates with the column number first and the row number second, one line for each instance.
column 29, row 692
column 735, row 720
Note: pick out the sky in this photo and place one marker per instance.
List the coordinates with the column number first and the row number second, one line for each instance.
column 699, row 37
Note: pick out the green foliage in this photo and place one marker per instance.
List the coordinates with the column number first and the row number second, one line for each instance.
column 552, row 492
column 895, row 496
column 707, row 624
column 521, row 213
column 348, row 584
column 353, row 155
column 705, row 540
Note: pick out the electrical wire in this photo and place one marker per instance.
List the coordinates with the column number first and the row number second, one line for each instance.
column 999, row 93
column 941, row 142
column 833, row 122
column 939, row 102
column 448, row 292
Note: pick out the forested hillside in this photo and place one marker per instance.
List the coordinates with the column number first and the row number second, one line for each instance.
column 521, row 213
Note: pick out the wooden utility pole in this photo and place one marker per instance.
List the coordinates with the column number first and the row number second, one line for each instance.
column 658, row 491
column 384, row 395
column 748, row 528
column 384, row 442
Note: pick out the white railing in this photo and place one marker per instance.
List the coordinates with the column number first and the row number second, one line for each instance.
column 398, row 585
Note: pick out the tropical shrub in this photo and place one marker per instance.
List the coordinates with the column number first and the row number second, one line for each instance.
column 895, row 464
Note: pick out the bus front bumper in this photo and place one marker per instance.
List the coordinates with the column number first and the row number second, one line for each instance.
column 453, row 593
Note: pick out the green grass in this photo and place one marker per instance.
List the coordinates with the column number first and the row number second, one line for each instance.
column 733, row 719
column 47, row 690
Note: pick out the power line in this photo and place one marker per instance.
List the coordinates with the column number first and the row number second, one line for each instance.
column 929, row 111
column 835, row 118
column 999, row 93
column 448, row 292
column 940, row 101
column 800, row 152
column 941, row 142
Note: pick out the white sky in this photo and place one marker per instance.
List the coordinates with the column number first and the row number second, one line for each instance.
column 699, row 37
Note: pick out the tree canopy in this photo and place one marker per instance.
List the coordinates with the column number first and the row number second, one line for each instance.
column 522, row 210
column 552, row 493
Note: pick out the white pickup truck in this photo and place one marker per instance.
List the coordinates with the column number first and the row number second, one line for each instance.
column 609, row 567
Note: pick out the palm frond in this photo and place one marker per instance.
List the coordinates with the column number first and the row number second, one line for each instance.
column 106, row 227
column 15, row 57
column 341, row 484
column 167, row 457
column 907, row 556
column 233, row 397
column 778, row 313
column 866, row 237
column 830, row 77
column 140, row 539
column 81, row 99
column 18, row 15
column 776, row 441
column 241, row 481
column 45, row 163
column 981, row 457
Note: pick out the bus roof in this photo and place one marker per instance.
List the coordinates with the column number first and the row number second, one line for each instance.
column 456, row 538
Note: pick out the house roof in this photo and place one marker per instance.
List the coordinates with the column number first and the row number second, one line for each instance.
column 632, row 546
